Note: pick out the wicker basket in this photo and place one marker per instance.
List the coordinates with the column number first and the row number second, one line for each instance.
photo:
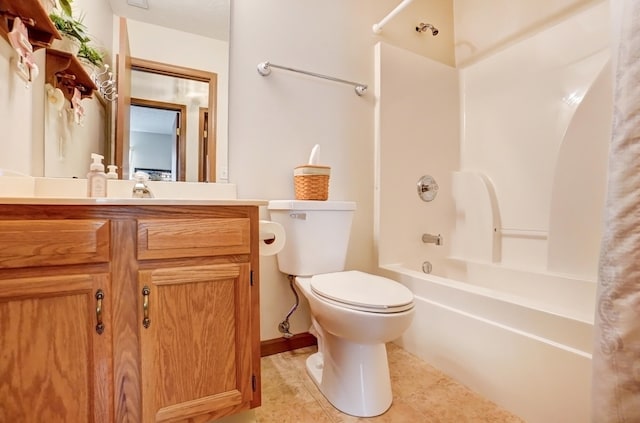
column 311, row 182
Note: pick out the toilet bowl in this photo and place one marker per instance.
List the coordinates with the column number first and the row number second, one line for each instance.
column 353, row 313
column 351, row 368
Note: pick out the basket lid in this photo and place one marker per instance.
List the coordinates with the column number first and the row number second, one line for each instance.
column 311, row 170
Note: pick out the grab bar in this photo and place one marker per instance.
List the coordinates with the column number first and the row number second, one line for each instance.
column 522, row 233
column 264, row 69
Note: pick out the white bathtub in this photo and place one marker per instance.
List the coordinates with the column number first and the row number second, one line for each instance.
column 521, row 339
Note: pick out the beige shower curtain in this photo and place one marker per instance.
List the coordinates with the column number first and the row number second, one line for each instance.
column 616, row 355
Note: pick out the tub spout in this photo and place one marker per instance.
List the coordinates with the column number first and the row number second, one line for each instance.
column 432, row 239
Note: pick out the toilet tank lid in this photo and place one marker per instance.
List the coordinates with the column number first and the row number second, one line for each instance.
column 311, row 205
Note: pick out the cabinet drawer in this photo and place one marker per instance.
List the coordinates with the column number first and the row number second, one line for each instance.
column 53, row 242
column 175, row 238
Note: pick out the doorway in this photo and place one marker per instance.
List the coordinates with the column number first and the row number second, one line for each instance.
column 157, row 139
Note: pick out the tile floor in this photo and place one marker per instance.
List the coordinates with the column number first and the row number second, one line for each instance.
column 421, row 394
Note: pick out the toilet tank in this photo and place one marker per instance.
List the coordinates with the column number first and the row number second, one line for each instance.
column 317, row 235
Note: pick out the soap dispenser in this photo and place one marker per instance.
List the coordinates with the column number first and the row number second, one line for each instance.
column 140, row 189
column 96, row 178
column 113, row 172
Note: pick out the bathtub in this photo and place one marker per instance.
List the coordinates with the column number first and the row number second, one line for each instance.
column 521, row 339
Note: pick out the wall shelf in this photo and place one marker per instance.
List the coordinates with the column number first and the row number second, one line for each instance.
column 63, row 70
column 42, row 31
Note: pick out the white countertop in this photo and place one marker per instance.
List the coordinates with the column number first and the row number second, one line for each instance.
column 38, row 190
column 130, row 201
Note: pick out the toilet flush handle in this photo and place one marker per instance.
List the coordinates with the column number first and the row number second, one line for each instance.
column 301, row 216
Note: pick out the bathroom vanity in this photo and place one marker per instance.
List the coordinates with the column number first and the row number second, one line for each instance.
column 131, row 310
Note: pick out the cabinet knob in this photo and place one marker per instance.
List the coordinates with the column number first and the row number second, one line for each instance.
column 146, row 322
column 99, row 324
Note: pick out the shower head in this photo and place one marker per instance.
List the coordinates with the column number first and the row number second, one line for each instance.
column 423, row 27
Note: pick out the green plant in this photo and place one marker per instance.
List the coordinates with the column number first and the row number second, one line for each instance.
column 65, row 5
column 90, row 55
column 70, row 26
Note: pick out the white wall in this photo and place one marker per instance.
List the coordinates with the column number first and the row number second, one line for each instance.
column 16, row 114
column 579, row 187
column 68, row 145
column 151, row 151
column 22, row 108
column 417, row 133
column 96, row 15
column 518, row 105
column 276, row 120
column 486, row 27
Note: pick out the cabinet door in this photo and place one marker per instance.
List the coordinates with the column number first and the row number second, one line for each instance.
column 196, row 343
column 54, row 365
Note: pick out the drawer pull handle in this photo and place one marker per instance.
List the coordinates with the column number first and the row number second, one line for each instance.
column 146, row 322
column 99, row 298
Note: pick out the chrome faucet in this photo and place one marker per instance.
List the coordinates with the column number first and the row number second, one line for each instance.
column 432, row 239
column 140, row 189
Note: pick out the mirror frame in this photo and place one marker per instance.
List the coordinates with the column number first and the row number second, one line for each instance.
column 122, row 141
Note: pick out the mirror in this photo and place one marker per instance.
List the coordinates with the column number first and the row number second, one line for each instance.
column 170, row 110
column 162, row 108
column 191, row 35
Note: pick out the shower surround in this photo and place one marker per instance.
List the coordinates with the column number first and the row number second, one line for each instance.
column 518, row 143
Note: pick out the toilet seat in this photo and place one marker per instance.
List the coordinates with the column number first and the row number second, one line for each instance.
column 362, row 291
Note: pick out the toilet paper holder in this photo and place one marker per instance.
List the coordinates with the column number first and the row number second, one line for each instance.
column 271, row 237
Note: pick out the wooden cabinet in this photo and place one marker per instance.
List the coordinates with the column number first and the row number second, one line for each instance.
column 194, row 350
column 55, row 367
column 194, row 340
column 175, row 289
column 55, row 364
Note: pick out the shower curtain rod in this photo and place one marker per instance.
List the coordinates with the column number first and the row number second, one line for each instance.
column 377, row 28
column 264, row 69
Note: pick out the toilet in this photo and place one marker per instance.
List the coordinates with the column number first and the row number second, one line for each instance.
column 353, row 313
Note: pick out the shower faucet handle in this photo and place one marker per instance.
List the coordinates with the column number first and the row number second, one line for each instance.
column 427, row 188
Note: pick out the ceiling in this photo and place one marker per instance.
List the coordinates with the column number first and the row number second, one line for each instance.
column 209, row 18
